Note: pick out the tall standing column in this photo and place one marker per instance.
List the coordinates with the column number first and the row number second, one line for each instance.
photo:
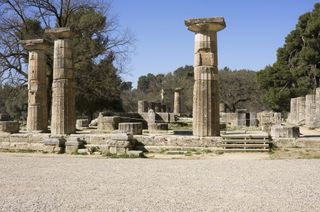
column 63, row 119
column 206, row 87
column 37, row 120
column 177, row 101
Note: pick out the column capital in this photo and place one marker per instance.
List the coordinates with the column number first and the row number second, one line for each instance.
column 36, row 44
column 205, row 24
column 59, row 33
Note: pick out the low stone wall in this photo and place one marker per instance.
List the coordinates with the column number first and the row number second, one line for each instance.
column 303, row 142
column 22, row 141
column 157, row 143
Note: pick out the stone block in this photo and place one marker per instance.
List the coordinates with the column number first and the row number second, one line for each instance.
column 108, row 123
column 9, row 126
column 142, row 106
column 134, row 128
column 135, row 153
column 279, row 131
column 121, row 136
column 115, row 143
column 73, row 144
column 83, row 151
column 82, row 123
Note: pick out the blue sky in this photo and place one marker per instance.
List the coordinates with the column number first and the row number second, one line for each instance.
column 255, row 29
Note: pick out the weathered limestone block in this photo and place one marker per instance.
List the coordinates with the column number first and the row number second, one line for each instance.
column 108, row 123
column 82, row 123
column 279, row 131
column 134, row 128
column 242, row 117
column 253, row 119
column 54, row 145
column 310, row 105
column 63, row 120
column 206, row 88
column 121, row 137
column 9, row 126
column 301, row 106
column 293, row 116
column 177, row 101
column 37, row 119
column 151, row 116
column 73, row 144
column 142, row 106
column 231, row 119
column 120, row 143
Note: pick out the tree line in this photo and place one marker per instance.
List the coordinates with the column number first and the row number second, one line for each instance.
column 101, row 49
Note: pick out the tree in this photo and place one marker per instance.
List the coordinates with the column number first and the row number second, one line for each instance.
column 239, row 89
column 297, row 69
column 99, row 45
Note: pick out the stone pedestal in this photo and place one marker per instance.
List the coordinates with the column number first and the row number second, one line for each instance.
column 63, row 120
column 37, row 119
column 134, row 128
column 108, row 123
column 206, row 87
column 177, row 101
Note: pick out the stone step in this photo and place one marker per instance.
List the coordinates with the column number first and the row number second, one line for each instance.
column 246, row 145
column 246, row 150
column 247, row 136
column 245, row 141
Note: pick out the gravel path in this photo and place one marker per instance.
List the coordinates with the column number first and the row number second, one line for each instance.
column 65, row 183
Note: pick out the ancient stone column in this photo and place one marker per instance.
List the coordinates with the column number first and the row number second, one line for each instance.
column 293, row 111
column 177, row 101
column 37, row 120
column 63, row 120
column 310, row 110
column 206, row 87
column 301, row 107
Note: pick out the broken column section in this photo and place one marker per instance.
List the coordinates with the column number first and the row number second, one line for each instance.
column 63, row 118
column 177, row 101
column 206, row 87
column 37, row 120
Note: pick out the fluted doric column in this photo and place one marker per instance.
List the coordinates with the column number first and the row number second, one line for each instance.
column 177, row 101
column 206, row 87
column 37, row 120
column 63, row 119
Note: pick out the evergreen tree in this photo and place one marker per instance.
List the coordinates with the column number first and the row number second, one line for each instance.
column 297, row 69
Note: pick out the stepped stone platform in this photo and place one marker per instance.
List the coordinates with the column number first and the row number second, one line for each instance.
column 121, row 143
